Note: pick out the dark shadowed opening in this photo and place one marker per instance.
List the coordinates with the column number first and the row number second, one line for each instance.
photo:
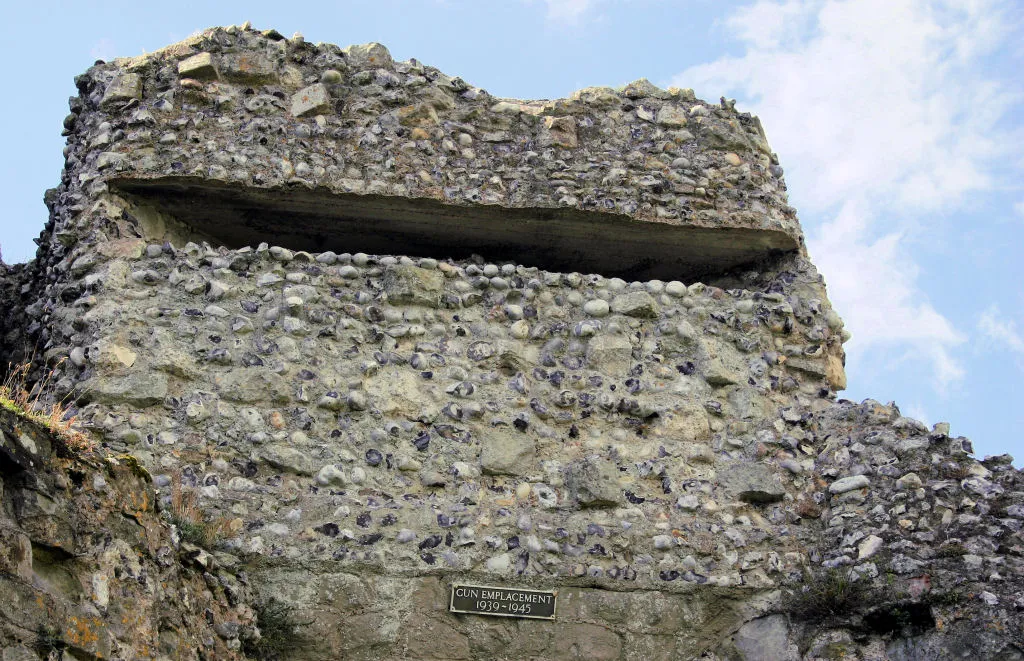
column 907, row 617
column 552, row 239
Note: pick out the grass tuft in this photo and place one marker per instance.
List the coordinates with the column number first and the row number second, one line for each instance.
column 828, row 594
column 187, row 516
column 281, row 632
column 37, row 402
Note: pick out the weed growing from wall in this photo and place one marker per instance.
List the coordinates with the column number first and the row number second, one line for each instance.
column 187, row 516
column 281, row 632
column 38, row 402
column 828, row 594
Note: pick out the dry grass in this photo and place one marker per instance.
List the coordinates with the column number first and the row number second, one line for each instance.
column 37, row 402
column 187, row 516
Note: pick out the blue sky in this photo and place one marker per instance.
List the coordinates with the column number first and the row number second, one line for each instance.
column 900, row 124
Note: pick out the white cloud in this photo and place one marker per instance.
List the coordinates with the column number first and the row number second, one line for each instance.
column 883, row 117
column 993, row 324
column 872, row 282
column 767, row 24
column 567, row 11
column 1019, row 208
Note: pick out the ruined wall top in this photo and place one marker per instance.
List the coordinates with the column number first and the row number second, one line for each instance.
column 640, row 181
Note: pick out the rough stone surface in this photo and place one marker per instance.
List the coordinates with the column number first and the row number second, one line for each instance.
column 313, row 100
column 765, row 639
column 594, row 483
column 90, row 570
column 753, row 483
column 508, row 454
column 439, row 337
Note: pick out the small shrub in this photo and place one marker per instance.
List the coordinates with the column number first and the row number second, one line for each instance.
column 829, row 594
column 951, row 551
column 950, row 597
column 281, row 632
column 188, row 517
column 37, row 402
column 47, row 641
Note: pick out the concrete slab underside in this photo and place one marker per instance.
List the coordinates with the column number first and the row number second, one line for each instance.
column 553, row 239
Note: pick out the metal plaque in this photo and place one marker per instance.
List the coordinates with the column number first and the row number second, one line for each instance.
column 503, row 602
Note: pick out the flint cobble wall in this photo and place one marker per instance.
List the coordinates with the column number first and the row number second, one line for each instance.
column 450, row 417
column 255, row 109
column 366, row 428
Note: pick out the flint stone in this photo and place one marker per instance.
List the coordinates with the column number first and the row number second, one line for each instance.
column 849, row 484
column 111, row 159
column 868, row 547
column 331, row 475
column 332, row 401
column 672, row 117
column 287, row 459
column 642, row 87
column 752, row 483
column 594, row 482
column 499, row 564
column 314, row 100
column 599, row 97
column 596, row 308
column 507, row 454
column 909, row 481
column 227, row 630
column 664, row 542
column 432, row 479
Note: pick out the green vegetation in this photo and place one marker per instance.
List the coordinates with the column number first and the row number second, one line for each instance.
column 829, row 594
column 188, row 518
column 833, row 594
column 47, row 640
column 951, row 551
column 280, row 632
column 37, row 404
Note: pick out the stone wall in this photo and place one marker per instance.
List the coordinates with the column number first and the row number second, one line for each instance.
column 238, row 106
column 88, row 568
column 628, row 394
column 15, row 296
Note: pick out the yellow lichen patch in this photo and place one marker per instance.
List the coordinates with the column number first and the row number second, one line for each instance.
column 132, row 462
column 81, row 632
